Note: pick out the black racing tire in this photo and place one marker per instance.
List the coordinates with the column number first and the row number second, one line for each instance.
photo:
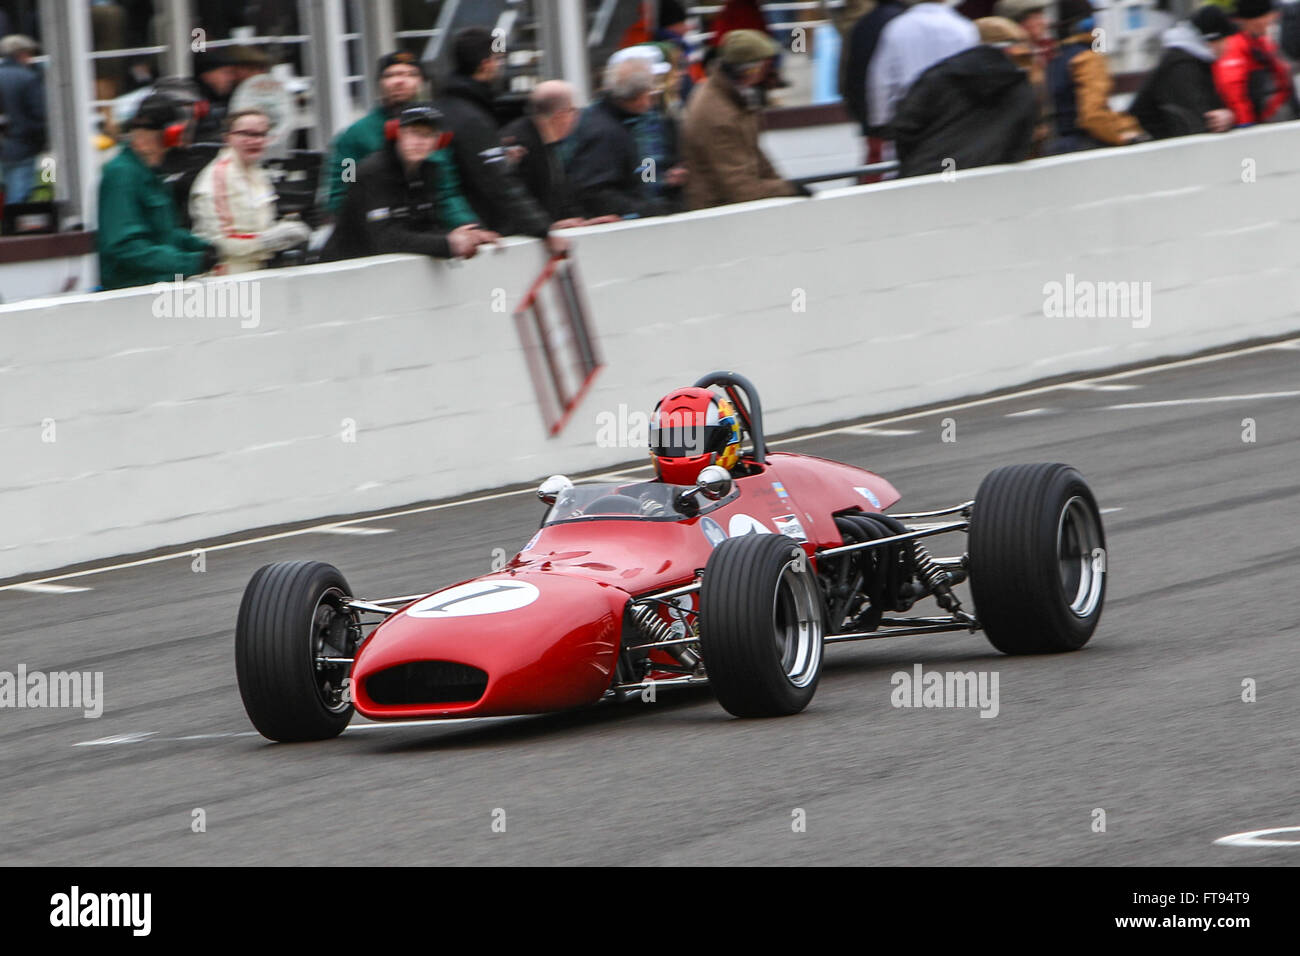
column 1037, row 559
column 282, row 619
column 762, row 625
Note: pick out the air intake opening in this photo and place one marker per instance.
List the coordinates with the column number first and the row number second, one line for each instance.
column 427, row 682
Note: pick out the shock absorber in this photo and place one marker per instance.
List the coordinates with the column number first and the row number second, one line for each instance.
column 935, row 578
column 655, row 630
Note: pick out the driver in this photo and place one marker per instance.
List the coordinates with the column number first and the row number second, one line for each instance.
column 692, row 428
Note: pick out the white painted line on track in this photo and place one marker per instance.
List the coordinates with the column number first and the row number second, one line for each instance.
column 188, row 553
column 1261, row 838
column 151, row 736
column 37, row 588
column 1110, row 511
column 1100, row 387
column 1031, row 413
column 355, row 531
column 884, row 432
column 1210, row 400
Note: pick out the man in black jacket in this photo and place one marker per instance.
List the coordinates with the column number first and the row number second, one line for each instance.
column 974, row 108
column 487, row 180
column 1179, row 97
column 607, row 165
column 532, row 142
column 397, row 203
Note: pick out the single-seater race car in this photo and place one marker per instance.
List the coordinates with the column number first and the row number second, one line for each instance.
column 739, row 580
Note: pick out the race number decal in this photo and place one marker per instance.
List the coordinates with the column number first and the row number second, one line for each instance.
column 477, row 597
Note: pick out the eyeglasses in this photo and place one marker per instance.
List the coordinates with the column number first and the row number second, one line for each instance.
column 251, row 133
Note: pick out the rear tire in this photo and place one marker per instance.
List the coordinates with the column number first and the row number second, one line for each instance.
column 289, row 616
column 761, row 626
column 1037, row 559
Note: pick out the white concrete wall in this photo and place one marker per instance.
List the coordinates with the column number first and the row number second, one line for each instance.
column 176, row 430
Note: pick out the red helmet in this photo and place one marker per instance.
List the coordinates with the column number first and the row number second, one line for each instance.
column 692, row 428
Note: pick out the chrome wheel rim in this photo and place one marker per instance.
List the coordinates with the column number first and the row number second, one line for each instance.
column 797, row 622
column 1080, row 557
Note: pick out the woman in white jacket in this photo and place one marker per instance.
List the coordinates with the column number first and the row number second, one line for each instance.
column 232, row 202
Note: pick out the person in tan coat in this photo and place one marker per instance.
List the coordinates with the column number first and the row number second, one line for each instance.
column 232, row 202
column 1078, row 79
column 720, row 128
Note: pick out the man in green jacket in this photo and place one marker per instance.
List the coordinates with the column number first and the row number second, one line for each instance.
column 139, row 241
column 400, row 80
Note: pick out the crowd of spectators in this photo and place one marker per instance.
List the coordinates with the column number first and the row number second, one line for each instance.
column 669, row 131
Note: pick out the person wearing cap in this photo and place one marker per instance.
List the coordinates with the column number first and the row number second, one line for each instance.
column 138, row 240
column 467, row 102
column 22, row 102
column 1178, row 97
column 397, row 205
column 400, row 80
column 975, row 108
column 1031, row 16
column 216, row 74
column 1078, row 79
column 606, row 164
column 232, row 202
column 721, row 127
column 915, row 40
column 1254, row 81
column 656, row 132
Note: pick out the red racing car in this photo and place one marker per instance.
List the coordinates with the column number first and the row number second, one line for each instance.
column 738, row 579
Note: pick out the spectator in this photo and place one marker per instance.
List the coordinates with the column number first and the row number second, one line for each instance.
column 656, row 132
column 747, row 15
column 927, row 32
column 216, row 74
column 1080, row 85
column 1031, row 15
column 139, row 241
column 496, row 195
column 400, row 79
column 976, row 108
column 606, row 163
column 720, row 132
column 398, row 204
column 533, row 143
column 22, row 102
column 863, row 41
column 232, row 203
column 1252, row 79
column 1179, row 97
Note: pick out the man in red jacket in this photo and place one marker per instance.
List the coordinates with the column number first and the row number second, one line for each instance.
column 1254, row 81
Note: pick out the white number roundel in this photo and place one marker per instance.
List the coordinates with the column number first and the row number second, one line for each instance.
column 477, row 597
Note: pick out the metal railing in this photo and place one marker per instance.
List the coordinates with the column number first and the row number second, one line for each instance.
column 853, row 172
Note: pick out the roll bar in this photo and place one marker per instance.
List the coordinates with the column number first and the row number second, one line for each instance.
column 750, row 409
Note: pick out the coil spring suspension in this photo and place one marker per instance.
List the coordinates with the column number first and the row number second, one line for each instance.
column 652, row 627
column 935, row 578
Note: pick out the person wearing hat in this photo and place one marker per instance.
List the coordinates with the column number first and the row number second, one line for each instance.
column 22, row 102
column 975, row 108
column 397, row 203
column 915, row 40
column 1254, row 81
column 1031, row 15
column 216, row 75
column 400, row 79
column 467, row 102
column 1078, row 79
column 610, row 172
column 138, row 240
column 232, row 202
column 1178, row 97
column 721, row 127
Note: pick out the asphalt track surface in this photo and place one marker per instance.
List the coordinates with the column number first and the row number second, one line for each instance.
column 1146, row 722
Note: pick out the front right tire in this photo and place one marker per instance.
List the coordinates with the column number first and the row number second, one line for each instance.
column 761, row 626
